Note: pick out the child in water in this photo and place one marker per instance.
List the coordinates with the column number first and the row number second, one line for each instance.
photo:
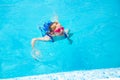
column 53, row 29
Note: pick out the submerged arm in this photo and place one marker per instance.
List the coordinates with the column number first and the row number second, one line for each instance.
column 55, row 19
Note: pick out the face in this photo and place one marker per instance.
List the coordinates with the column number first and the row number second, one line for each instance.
column 57, row 25
column 54, row 26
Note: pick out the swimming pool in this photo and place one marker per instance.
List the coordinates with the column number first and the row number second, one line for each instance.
column 95, row 28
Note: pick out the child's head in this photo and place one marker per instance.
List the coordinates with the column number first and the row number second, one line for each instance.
column 53, row 26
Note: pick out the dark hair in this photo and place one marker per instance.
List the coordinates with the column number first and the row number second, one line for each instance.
column 50, row 27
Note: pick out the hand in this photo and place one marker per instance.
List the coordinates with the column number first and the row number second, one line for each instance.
column 55, row 19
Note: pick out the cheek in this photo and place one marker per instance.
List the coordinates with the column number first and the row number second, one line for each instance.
column 58, row 25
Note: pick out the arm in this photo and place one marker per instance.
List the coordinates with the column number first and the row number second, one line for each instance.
column 45, row 38
column 55, row 19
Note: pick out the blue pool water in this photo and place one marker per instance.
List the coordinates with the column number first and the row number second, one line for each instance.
column 95, row 25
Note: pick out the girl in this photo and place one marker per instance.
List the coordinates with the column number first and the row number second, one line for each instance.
column 52, row 29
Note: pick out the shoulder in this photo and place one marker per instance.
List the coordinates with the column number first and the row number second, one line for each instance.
column 47, row 37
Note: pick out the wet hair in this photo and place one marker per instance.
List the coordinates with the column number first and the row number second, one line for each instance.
column 52, row 28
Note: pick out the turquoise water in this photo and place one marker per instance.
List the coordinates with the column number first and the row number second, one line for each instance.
column 93, row 23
